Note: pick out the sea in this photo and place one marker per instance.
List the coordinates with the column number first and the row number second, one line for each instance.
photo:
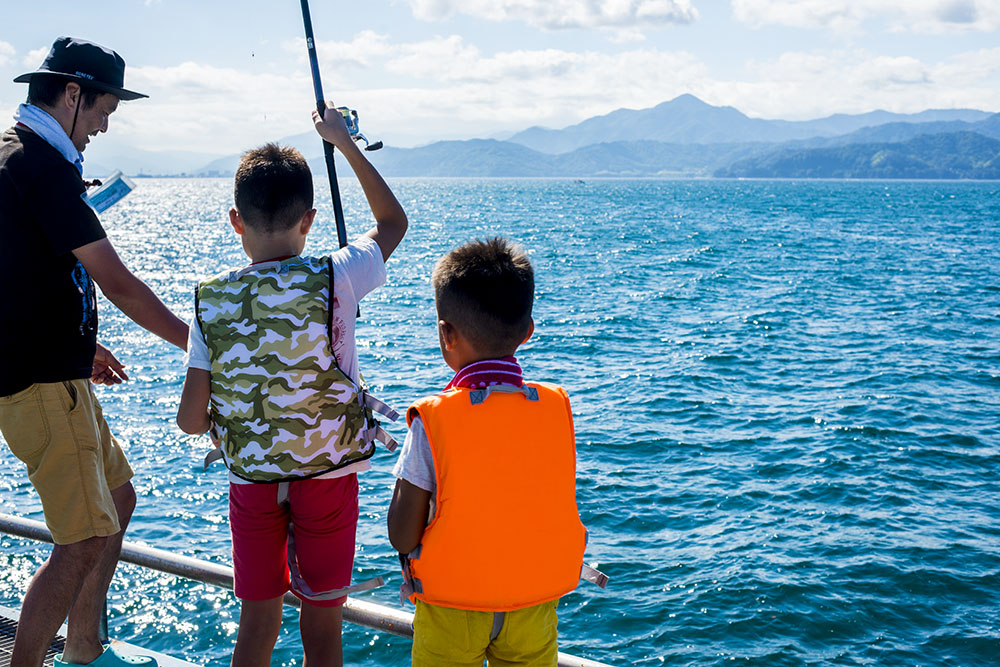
column 786, row 397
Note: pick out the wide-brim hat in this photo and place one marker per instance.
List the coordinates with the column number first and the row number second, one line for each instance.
column 92, row 65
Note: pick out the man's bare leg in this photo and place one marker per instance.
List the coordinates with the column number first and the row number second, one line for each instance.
column 84, row 624
column 49, row 597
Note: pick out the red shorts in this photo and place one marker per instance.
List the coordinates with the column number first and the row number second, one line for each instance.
column 324, row 513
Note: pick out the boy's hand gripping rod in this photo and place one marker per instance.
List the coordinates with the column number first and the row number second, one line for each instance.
column 331, row 170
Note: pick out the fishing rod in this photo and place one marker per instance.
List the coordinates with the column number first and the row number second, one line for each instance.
column 331, row 169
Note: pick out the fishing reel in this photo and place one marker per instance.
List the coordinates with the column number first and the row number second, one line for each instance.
column 351, row 119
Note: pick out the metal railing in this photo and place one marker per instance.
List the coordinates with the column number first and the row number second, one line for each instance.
column 367, row 614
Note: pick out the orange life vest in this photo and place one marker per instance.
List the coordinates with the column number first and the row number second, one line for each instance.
column 506, row 533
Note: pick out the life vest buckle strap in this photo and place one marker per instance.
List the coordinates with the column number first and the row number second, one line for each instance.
column 380, row 434
column 282, row 499
column 498, row 620
column 214, row 455
column 298, row 583
column 374, row 430
column 405, row 591
column 409, row 585
column 478, row 396
column 375, row 582
column 594, row 576
column 381, row 407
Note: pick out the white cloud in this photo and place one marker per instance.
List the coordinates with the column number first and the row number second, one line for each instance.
column 978, row 72
column 515, row 89
column 424, row 59
column 198, row 107
column 810, row 85
column 626, row 35
column 919, row 16
column 211, row 109
column 361, row 51
column 33, row 59
column 7, row 112
column 559, row 14
column 526, row 87
column 446, row 87
column 6, row 53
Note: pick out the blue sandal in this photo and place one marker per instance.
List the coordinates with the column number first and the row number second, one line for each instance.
column 111, row 658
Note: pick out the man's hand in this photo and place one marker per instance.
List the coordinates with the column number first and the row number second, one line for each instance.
column 107, row 369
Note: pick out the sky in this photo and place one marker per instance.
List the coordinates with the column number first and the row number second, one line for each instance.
column 224, row 76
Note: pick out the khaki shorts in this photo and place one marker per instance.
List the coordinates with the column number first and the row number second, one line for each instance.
column 58, row 430
column 444, row 637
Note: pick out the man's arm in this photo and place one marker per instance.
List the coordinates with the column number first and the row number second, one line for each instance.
column 192, row 413
column 390, row 219
column 407, row 516
column 132, row 296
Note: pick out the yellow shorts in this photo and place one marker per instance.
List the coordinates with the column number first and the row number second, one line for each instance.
column 58, row 430
column 445, row 637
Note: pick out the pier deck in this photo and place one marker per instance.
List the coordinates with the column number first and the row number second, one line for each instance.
column 8, row 626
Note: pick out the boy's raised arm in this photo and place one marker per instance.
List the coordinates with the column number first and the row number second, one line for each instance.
column 390, row 219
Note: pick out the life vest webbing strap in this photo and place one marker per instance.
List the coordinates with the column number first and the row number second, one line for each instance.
column 409, row 585
column 478, row 396
column 498, row 619
column 298, row 583
column 374, row 430
column 594, row 576
column 381, row 407
column 282, row 498
column 213, row 455
column 380, row 434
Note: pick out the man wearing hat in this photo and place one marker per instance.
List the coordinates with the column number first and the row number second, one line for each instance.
column 53, row 250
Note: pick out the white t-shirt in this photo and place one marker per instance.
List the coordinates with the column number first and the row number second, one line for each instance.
column 358, row 268
column 415, row 463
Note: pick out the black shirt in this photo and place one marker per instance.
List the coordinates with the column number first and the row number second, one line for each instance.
column 48, row 308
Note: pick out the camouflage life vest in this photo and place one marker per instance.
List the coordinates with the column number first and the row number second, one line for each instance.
column 283, row 407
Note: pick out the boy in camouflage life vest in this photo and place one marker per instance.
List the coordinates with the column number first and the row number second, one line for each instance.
column 273, row 367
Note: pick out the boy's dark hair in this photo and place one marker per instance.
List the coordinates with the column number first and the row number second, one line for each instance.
column 485, row 289
column 274, row 188
column 46, row 91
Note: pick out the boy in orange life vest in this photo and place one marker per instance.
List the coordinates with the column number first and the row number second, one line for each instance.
column 492, row 462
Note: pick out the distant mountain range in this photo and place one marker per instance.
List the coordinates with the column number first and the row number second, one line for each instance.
column 682, row 137
column 952, row 155
column 688, row 120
